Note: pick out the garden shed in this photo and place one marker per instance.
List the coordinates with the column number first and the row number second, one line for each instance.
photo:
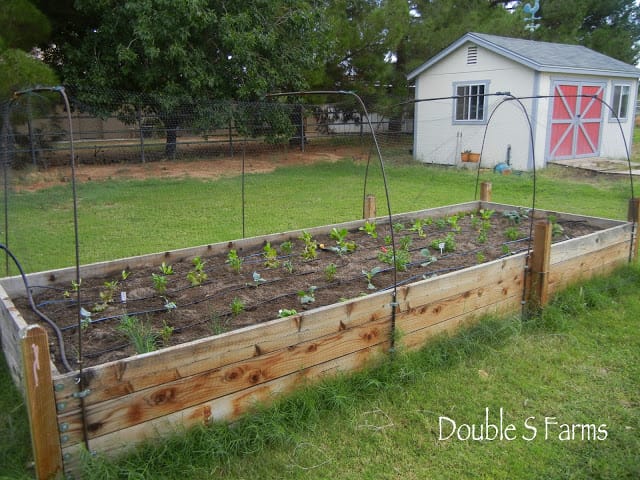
column 568, row 96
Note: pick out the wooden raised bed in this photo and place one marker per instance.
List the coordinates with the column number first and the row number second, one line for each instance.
column 218, row 378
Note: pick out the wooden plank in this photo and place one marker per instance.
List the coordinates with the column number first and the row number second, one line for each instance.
column 504, row 271
column 418, row 338
column 11, row 324
column 473, row 300
column 141, row 406
column 226, row 408
column 570, row 271
column 40, row 402
column 586, row 244
column 139, row 372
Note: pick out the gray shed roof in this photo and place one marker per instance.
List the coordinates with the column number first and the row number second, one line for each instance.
column 541, row 56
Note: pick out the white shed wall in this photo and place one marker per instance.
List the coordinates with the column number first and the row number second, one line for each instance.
column 439, row 140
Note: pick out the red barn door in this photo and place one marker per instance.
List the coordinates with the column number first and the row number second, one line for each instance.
column 576, row 120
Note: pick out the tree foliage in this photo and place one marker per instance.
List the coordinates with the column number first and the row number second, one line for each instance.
column 176, row 53
column 22, row 27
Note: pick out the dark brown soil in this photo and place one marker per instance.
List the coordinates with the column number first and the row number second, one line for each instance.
column 206, row 309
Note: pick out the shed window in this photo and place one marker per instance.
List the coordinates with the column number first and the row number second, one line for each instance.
column 470, row 102
column 620, row 102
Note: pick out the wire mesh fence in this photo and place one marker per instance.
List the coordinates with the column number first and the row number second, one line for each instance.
column 125, row 127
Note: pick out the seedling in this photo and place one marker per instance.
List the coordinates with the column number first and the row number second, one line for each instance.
column 110, row 288
column 270, row 256
column 166, row 332
column 234, row 261
column 512, row 233
column 196, row 276
column 257, row 279
column 480, row 257
column 486, row 214
column 556, row 228
column 342, row 245
column 287, row 247
column 418, row 228
column 449, row 243
column 369, row 229
column 85, row 318
column 288, row 266
column 401, row 259
column 330, row 272
column 287, row 312
column 398, row 227
column 142, row 337
column 516, row 216
column 159, row 283
column 124, row 275
column 166, row 269
column 453, row 223
column 505, row 249
column 429, row 259
column 310, row 251
column 441, row 223
column 308, row 296
column 369, row 274
column 237, row 307
column 482, row 236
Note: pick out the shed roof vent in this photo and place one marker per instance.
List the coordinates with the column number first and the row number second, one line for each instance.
column 472, row 55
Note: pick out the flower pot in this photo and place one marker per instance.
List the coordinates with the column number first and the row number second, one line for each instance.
column 470, row 157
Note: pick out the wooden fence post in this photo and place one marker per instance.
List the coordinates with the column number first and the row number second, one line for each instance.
column 369, row 207
column 633, row 215
column 538, row 278
column 485, row 191
column 40, row 401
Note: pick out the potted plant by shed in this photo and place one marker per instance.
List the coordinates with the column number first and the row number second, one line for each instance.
column 469, row 156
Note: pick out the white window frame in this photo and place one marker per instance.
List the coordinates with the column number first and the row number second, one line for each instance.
column 472, row 106
column 620, row 100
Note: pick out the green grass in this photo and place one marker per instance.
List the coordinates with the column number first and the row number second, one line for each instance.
column 579, row 363
column 120, row 218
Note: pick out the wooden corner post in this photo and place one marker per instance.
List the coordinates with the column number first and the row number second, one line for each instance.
column 538, row 278
column 633, row 215
column 40, row 401
column 485, row 191
column 369, row 207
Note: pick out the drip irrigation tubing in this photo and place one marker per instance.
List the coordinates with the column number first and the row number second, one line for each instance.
column 394, row 301
column 42, row 316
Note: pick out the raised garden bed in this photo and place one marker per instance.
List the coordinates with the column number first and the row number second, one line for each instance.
column 219, row 359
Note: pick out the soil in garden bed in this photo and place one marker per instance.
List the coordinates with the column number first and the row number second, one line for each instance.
column 149, row 309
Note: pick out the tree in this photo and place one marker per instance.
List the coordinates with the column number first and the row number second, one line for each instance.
column 22, row 27
column 177, row 53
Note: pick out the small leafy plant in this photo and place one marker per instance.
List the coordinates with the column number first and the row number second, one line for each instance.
column 159, row 283
column 234, row 260
column 237, row 306
column 166, row 332
column 342, row 245
column 446, row 244
column 330, row 272
column 370, row 229
column 287, row 312
column 369, row 274
column 197, row 276
column 512, row 233
column 308, row 296
column 270, row 255
column 166, row 269
column 287, row 247
column 310, row 249
column 418, row 227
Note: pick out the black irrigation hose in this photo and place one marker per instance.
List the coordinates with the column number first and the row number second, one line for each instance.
column 51, row 323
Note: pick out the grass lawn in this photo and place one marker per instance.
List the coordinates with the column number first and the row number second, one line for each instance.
column 578, row 363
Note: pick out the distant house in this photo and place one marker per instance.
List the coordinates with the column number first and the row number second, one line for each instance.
column 558, row 86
